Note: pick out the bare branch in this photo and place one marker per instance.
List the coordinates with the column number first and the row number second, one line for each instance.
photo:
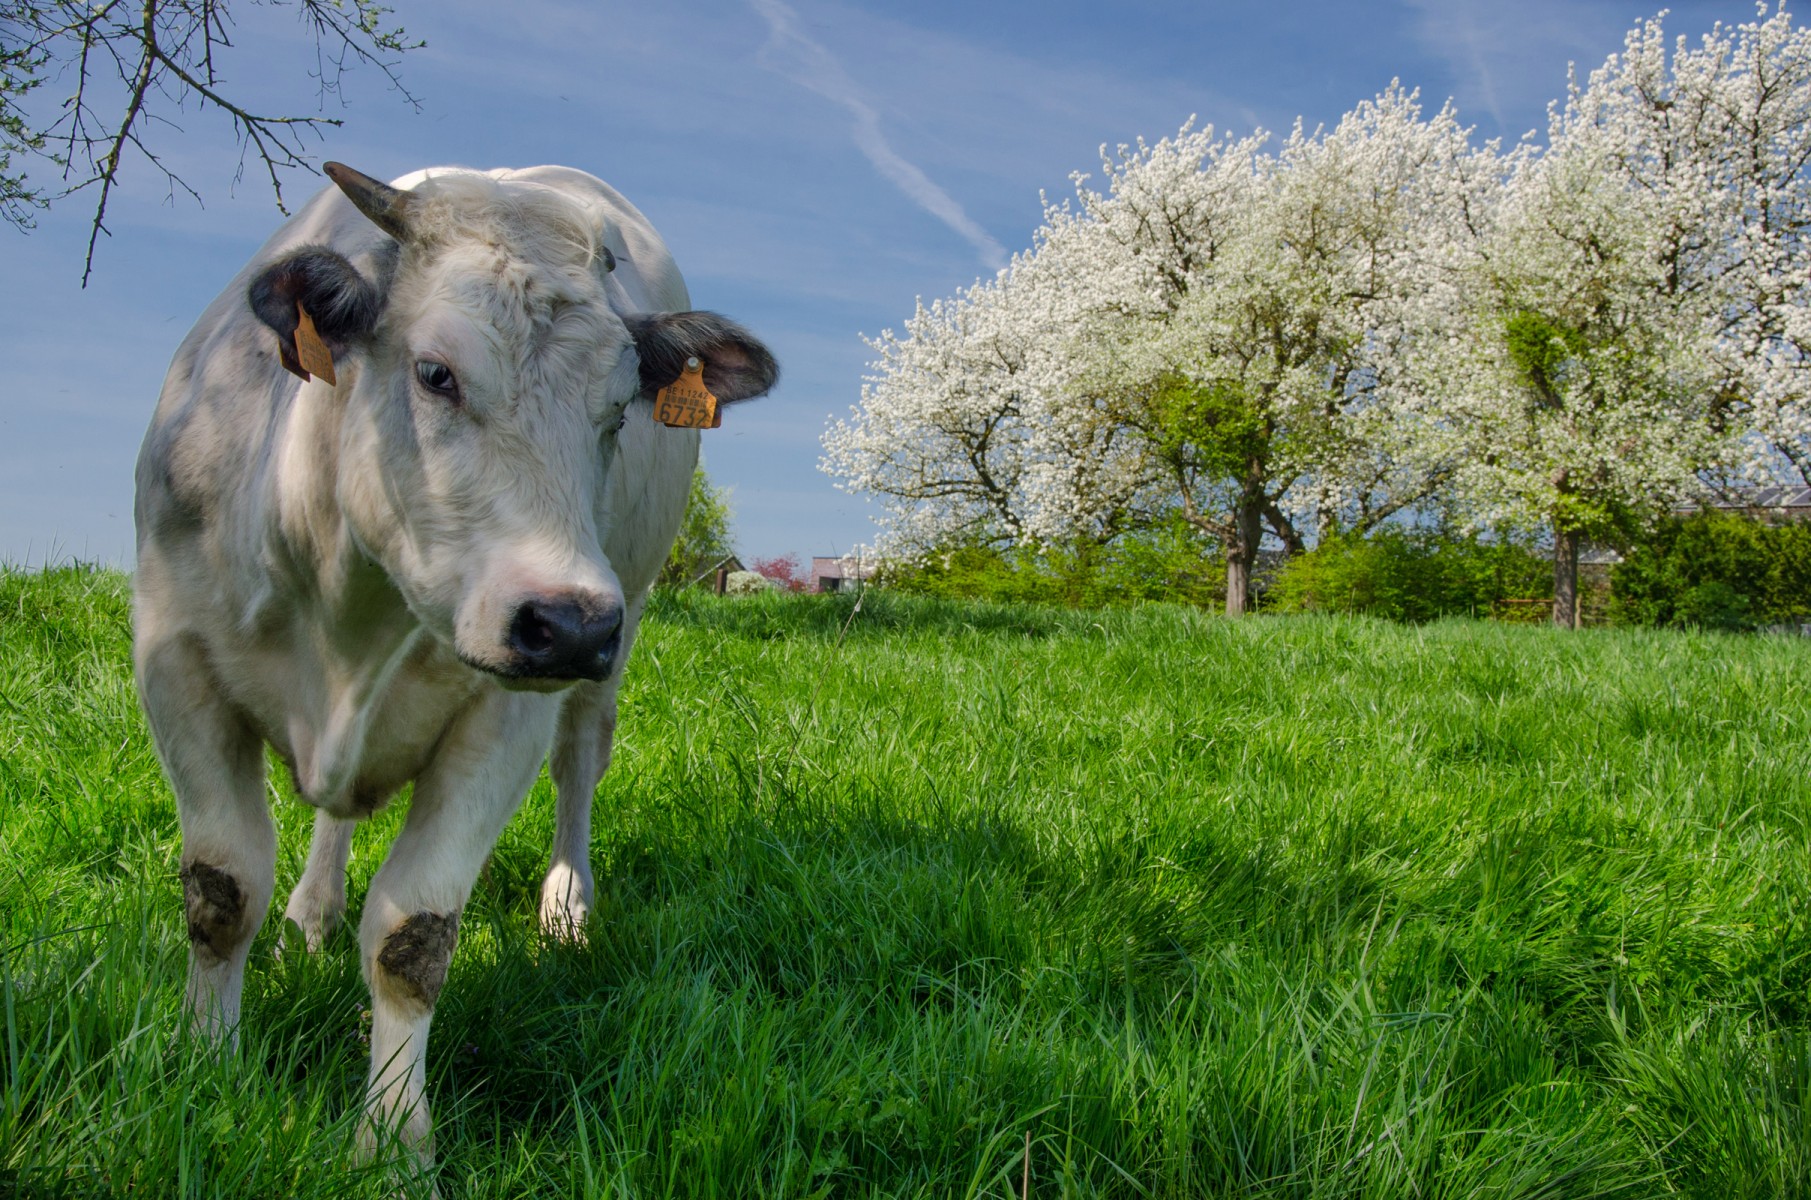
column 164, row 55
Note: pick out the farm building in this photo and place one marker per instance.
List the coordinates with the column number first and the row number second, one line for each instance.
column 1775, row 505
column 711, row 573
column 832, row 574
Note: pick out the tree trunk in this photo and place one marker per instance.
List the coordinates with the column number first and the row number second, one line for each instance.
column 1565, row 577
column 1242, row 552
column 1238, row 583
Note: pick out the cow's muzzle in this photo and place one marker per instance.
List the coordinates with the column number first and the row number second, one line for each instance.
column 564, row 637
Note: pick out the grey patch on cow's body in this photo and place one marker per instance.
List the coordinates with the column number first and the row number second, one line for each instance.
column 215, row 907
column 417, row 953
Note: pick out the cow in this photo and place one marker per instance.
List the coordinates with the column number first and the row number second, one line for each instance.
column 398, row 512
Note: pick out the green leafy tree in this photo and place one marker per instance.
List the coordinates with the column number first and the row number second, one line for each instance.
column 704, row 538
column 131, row 68
column 1715, row 570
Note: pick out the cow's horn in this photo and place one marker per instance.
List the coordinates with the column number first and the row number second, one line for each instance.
column 387, row 207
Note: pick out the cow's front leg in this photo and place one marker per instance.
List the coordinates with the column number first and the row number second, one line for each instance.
column 487, row 760
column 215, row 764
column 318, row 903
column 581, row 755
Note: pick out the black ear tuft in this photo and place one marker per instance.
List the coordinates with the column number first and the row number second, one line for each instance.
column 343, row 304
column 736, row 365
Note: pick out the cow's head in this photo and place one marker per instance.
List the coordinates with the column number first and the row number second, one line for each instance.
column 483, row 379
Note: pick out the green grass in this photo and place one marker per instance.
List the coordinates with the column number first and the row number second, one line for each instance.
column 1290, row 907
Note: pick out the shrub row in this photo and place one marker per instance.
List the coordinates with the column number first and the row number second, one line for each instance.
column 1712, row 570
column 1166, row 564
column 1410, row 575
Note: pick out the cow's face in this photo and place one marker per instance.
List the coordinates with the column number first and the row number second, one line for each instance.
column 482, row 391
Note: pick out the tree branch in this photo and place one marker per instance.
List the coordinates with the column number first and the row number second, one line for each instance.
column 167, row 49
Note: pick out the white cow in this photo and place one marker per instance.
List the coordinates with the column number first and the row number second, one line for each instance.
column 430, row 570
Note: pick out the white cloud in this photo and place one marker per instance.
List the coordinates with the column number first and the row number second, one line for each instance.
column 793, row 54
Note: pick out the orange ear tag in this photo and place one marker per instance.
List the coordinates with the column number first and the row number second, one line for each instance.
column 315, row 358
column 686, row 403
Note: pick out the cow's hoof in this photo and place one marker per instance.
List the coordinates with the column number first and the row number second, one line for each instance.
column 564, row 922
column 409, row 1150
column 306, row 925
column 306, row 934
column 565, row 905
column 217, row 1037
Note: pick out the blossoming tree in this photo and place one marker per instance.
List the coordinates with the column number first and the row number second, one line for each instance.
column 1217, row 332
column 1277, row 344
column 1270, row 374
column 1639, row 324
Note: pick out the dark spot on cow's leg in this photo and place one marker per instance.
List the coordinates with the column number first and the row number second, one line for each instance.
column 417, row 952
column 216, row 909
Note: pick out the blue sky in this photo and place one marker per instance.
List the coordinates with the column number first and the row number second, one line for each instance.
column 815, row 167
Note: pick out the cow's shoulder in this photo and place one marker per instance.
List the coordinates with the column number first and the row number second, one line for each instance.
column 210, row 437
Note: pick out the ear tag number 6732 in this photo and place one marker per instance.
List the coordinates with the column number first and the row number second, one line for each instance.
column 686, row 403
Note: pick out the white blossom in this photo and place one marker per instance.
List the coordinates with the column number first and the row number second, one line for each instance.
column 1021, row 409
column 1660, row 237
column 1313, row 334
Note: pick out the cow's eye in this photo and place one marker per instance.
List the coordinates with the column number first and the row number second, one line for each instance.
column 437, row 378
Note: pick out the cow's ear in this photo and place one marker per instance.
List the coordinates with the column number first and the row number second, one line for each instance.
column 736, row 365
column 341, row 304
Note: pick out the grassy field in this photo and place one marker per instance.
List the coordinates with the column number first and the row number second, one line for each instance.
column 1281, row 908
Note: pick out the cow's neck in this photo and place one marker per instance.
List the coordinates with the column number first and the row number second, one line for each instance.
column 365, row 633
column 356, row 628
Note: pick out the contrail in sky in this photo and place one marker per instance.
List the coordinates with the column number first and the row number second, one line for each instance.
column 1454, row 29
column 791, row 53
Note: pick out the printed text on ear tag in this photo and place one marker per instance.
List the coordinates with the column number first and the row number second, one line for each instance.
column 316, row 359
column 686, row 403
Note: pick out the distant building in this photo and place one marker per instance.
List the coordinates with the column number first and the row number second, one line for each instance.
column 710, row 573
column 834, row 574
column 1774, row 505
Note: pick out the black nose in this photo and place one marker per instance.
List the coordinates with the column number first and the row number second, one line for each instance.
column 559, row 637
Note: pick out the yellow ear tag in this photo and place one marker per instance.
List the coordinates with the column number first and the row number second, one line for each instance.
column 316, row 359
column 686, row 403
